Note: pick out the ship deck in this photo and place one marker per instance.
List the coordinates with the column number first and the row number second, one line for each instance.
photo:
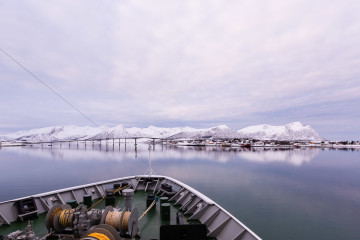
column 194, row 206
column 149, row 225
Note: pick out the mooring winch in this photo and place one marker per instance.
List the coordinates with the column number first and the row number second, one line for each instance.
column 77, row 221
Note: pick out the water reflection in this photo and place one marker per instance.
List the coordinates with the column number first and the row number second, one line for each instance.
column 259, row 186
column 295, row 157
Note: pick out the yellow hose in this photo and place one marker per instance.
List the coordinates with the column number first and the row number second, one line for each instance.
column 98, row 236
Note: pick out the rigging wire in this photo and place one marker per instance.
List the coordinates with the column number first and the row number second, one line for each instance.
column 52, row 90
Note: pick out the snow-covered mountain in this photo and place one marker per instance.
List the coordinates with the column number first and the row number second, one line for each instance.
column 159, row 132
column 292, row 131
column 115, row 132
column 221, row 131
column 68, row 132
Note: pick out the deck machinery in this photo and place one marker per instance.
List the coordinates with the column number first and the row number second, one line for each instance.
column 90, row 212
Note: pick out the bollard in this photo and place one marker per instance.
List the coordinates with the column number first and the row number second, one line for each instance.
column 87, row 200
column 165, row 211
column 72, row 203
column 164, row 200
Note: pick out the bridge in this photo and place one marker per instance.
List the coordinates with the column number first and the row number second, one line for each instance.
column 99, row 141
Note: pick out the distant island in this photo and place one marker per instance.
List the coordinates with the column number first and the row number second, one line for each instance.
column 292, row 134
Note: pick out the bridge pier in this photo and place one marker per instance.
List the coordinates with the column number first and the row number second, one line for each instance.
column 78, row 142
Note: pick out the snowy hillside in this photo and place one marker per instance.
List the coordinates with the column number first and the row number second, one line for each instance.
column 115, row 132
column 68, row 132
column 80, row 133
column 221, row 131
column 292, row 131
column 158, row 132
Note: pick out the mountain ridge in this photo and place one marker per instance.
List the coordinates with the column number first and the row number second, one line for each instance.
column 289, row 132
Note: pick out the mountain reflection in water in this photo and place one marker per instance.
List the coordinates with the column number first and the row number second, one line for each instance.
column 294, row 157
column 301, row 193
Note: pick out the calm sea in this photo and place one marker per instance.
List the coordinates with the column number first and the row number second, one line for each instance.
column 298, row 194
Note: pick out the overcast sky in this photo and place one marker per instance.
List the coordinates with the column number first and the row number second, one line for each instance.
column 182, row 63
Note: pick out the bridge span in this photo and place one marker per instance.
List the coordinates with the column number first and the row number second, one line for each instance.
column 93, row 141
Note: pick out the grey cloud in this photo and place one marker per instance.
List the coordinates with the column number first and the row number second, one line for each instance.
column 180, row 61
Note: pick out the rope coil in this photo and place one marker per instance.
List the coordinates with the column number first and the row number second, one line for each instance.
column 59, row 218
column 125, row 221
column 65, row 217
column 56, row 212
column 114, row 219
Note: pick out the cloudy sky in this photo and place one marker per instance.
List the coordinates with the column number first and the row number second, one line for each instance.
column 182, row 63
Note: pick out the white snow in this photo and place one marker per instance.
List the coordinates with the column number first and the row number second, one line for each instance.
column 291, row 131
column 159, row 132
column 63, row 132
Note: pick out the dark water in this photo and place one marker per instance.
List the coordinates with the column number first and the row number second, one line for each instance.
column 280, row 194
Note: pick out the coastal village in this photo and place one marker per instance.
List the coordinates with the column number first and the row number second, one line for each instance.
column 249, row 143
